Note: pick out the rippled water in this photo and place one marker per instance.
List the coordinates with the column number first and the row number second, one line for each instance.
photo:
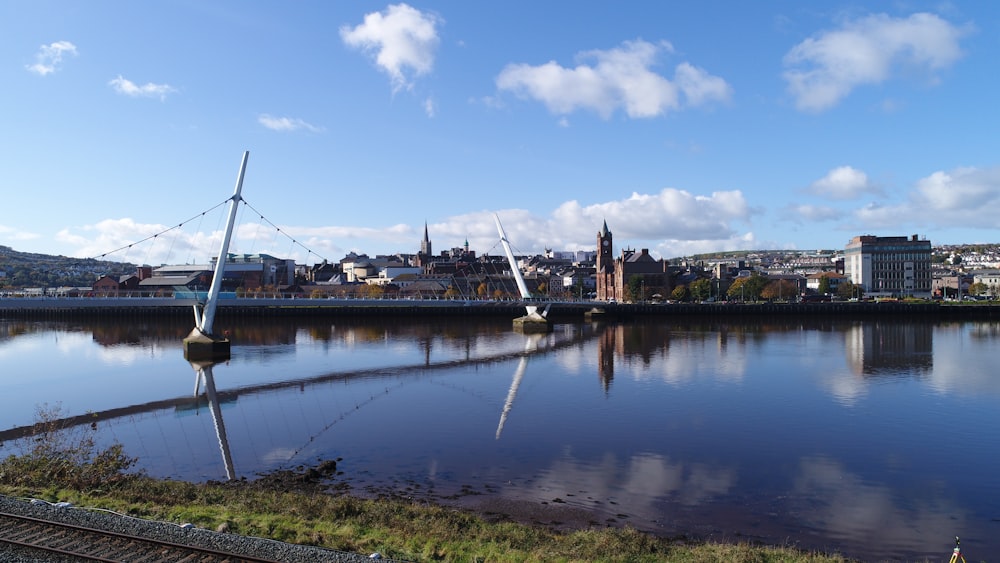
column 878, row 438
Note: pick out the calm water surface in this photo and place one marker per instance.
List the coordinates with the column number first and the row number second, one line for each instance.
column 880, row 439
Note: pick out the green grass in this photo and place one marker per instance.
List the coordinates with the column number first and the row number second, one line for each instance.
column 396, row 529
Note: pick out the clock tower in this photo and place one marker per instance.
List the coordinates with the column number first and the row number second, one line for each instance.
column 605, row 266
column 605, row 260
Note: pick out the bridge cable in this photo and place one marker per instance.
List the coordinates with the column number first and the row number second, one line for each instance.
column 128, row 246
column 190, row 257
column 278, row 230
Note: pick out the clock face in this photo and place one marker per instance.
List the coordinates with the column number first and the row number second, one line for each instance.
column 605, row 243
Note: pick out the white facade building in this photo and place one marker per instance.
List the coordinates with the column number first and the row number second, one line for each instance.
column 889, row 266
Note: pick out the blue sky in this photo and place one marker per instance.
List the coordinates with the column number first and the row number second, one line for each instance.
column 687, row 126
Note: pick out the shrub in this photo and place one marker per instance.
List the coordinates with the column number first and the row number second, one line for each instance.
column 59, row 453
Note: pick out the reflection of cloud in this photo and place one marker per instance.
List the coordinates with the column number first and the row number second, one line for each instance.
column 574, row 360
column 845, row 506
column 277, row 456
column 80, row 345
column 962, row 369
column 22, row 346
column 637, row 483
column 693, row 359
column 845, row 387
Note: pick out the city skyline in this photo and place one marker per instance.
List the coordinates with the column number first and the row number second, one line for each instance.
column 687, row 128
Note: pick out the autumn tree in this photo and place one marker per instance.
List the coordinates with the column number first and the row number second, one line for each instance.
column 680, row 293
column 978, row 288
column 737, row 289
column 747, row 288
column 700, row 289
column 372, row 291
column 779, row 289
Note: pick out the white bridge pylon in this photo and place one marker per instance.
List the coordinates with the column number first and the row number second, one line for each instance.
column 522, row 287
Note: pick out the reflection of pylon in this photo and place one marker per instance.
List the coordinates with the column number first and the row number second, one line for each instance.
column 956, row 555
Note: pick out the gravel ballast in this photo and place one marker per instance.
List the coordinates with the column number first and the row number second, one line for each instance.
column 187, row 535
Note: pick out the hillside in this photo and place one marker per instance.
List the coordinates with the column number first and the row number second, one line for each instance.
column 26, row 269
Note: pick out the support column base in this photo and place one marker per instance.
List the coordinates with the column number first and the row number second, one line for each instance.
column 199, row 346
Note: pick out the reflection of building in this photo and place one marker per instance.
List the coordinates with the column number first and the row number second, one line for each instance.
column 631, row 345
column 897, row 266
column 606, row 346
column 880, row 349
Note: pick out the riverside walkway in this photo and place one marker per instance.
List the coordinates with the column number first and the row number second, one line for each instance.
column 55, row 307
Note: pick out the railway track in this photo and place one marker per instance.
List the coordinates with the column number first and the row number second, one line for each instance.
column 90, row 544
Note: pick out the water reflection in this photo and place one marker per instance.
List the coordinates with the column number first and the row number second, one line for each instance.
column 870, row 437
column 854, row 511
column 204, row 375
column 883, row 349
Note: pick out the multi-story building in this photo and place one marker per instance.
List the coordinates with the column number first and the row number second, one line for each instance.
column 613, row 276
column 889, row 266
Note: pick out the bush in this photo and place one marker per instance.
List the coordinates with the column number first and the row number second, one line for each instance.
column 58, row 453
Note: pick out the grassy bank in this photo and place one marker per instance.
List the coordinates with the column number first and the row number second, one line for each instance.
column 397, row 529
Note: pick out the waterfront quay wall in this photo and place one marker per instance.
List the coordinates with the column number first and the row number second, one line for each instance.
column 151, row 307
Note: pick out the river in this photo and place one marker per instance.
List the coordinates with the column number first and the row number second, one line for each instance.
column 874, row 438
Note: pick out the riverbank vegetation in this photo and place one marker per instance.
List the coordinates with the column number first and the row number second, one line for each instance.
column 64, row 465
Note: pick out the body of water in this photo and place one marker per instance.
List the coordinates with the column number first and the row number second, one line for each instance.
column 875, row 438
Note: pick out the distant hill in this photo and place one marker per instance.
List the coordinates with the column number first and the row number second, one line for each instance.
column 741, row 254
column 27, row 269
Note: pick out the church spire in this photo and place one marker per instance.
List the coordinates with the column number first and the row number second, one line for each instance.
column 425, row 245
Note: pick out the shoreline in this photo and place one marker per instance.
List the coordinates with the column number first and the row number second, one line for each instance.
column 54, row 308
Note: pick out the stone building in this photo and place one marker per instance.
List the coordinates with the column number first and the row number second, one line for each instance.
column 614, row 276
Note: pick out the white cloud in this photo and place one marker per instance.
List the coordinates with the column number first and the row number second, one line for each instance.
column 286, row 123
column 825, row 68
column 805, row 213
column 126, row 240
column 670, row 223
column 961, row 198
column 15, row 234
column 430, row 108
column 843, row 182
column 148, row 90
column 620, row 78
column 49, row 57
column 963, row 189
column 402, row 38
column 700, row 87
